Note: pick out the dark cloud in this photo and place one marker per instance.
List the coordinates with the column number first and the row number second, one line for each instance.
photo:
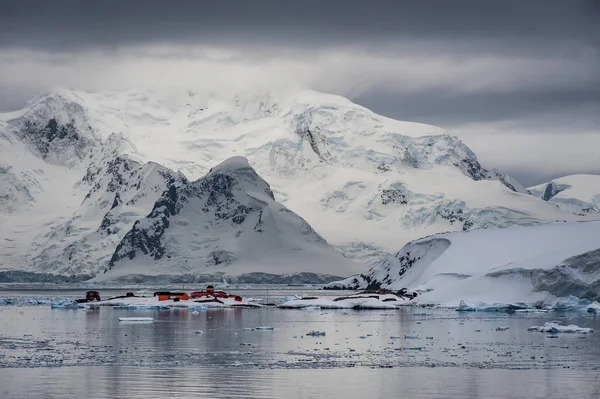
column 509, row 73
column 79, row 24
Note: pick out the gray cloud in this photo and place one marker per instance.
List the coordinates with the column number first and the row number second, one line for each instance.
column 74, row 23
column 501, row 72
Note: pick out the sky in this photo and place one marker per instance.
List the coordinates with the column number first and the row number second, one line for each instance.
column 517, row 81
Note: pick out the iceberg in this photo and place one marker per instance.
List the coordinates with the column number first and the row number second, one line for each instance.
column 494, row 307
column 67, row 304
column 555, row 328
column 593, row 308
column 571, row 303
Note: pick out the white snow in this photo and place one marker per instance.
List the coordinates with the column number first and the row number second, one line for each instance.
column 578, row 194
column 493, row 266
column 330, row 161
column 152, row 303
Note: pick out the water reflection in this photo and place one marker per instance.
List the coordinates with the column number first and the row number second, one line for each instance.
column 219, row 382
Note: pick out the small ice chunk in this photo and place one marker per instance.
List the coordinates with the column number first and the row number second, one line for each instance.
column 555, row 328
column 594, row 307
column 136, row 319
column 67, row 304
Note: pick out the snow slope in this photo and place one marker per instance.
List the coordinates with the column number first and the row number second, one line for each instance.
column 518, row 264
column 226, row 222
column 577, row 194
column 367, row 183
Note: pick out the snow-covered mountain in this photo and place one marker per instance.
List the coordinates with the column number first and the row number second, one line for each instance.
column 79, row 169
column 518, row 264
column 227, row 222
column 577, row 194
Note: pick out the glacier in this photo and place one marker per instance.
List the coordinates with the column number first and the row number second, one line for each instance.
column 577, row 194
column 78, row 170
column 510, row 268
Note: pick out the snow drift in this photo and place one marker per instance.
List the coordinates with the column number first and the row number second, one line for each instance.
column 519, row 264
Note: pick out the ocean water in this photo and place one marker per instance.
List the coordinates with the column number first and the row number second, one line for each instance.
column 421, row 352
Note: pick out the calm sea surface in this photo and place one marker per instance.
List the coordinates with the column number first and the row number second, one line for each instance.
column 411, row 352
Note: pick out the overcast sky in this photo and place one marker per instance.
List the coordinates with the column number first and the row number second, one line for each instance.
column 518, row 81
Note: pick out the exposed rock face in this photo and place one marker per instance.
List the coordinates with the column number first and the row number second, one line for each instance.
column 58, row 129
column 233, row 215
column 576, row 194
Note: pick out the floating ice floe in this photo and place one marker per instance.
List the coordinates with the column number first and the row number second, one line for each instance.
column 354, row 301
column 136, row 319
column 556, row 328
column 140, row 307
column 68, row 304
column 316, row 333
column 30, row 301
column 593, row 308
column 571, row 303
column 494, row 307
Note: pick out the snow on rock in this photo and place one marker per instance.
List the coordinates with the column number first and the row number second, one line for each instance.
column 152, row 303
column 57, row 128
column 367, row 183
column 502, row 266
column 120, row 193
column 577, row 194
column 556, row 328
column 228, row 222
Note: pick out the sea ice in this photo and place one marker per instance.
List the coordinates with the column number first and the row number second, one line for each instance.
column 556, row 328
column 67, row 304
column 593, row 307
column 136, row 319
column 571, row 303
column 494, row 307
